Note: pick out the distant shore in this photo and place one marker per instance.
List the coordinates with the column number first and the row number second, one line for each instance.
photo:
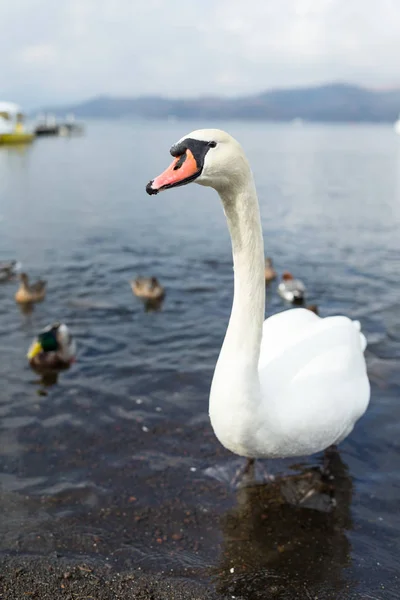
column 331, row 103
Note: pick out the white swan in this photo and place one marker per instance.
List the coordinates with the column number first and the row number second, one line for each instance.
column 291, row 385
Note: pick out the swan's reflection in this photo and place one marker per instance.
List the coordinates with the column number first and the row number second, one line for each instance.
column 287, row 539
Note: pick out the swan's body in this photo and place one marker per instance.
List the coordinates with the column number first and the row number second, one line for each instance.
column 54, row 349
column 28, row 293
column 291, row 289
column 291, row 385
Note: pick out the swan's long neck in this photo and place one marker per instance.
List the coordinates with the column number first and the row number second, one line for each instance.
column 235, row 387
column 243, row 336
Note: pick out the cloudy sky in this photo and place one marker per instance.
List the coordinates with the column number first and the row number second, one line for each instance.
column 61, row 51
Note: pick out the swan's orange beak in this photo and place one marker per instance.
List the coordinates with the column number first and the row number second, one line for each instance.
column 181, row 171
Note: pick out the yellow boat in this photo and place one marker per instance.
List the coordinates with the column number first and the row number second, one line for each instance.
column 16, row 138
column 12, row 129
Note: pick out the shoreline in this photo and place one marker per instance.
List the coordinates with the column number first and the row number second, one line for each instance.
column 53, row 578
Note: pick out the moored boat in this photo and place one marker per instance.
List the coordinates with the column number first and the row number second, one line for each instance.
column 12, row 128
column 47, row 125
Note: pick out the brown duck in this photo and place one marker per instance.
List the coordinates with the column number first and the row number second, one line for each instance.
column 28, row 293
column 148, row 288
column 269, row 271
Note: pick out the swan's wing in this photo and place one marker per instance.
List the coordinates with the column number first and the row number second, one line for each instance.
column 357, row 325
column 287, row 328
column 314, row 378
column 283, row 329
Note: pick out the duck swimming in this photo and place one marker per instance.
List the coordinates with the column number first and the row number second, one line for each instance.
column 291, row 289
column 29, row 293
column 54, row 349
column 294, row 384
column 148, row 288
column 269, row 271
column 8, row 270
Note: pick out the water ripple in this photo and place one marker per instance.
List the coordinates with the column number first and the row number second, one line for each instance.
column 116, row 454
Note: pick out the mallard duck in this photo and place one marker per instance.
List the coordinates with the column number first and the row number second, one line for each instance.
column 291, row 289
column 8, row 270
column 269, row 270
column 26, row 294
column 53, row 349
column 148, row 288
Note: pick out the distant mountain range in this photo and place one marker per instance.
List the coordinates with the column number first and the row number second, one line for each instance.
column 335, row 102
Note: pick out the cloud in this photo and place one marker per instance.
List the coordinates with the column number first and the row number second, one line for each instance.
column 64, row 51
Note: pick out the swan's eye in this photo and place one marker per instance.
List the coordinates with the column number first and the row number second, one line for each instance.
column 212, row 144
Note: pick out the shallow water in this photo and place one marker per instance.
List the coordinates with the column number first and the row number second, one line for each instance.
column 118, row 460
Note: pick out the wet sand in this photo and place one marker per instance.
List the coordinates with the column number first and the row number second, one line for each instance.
column 53, row 578
column 285, row 539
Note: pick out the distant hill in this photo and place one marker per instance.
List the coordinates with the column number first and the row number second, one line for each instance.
column 335, row 102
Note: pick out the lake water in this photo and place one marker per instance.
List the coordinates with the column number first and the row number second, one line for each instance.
column 118, row 461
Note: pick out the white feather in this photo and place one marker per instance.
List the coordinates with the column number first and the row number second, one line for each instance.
column 291, row 385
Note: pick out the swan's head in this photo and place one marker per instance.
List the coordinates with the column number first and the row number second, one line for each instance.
column 208, row 156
